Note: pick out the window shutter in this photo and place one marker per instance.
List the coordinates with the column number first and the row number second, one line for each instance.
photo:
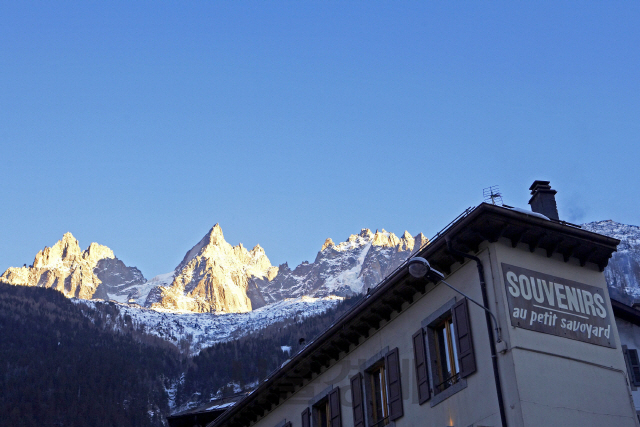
column 422, row 373
column 357, row 403
column 462, row 326
column 334, row 408
column 306, row 418
column 394, row 387
column 634, row 364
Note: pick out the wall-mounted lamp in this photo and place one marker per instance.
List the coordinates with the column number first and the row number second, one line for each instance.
column 420, row 267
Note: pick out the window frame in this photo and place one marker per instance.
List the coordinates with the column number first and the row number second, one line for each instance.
column 634, row 380
column 446, row 353
column 384, row 362
column 316, row 411
column 324, row 402
column 429, row 326
column 370, row 392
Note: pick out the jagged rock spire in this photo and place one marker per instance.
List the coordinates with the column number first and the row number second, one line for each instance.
column 213, row 277
column 327, row 244
column 65, row 267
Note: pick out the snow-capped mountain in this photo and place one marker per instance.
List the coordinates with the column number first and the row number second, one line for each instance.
column 348, row 268
column 623, row 271
column 215, row 276
column 212, row 277
column 93, row 273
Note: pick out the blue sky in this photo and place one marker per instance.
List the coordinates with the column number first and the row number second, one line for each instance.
column 139, row 125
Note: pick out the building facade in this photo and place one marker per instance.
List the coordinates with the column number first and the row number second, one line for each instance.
column 628, row 323
column 420, row 351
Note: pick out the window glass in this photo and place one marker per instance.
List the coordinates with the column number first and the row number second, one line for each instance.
column 321, row 412
column 448, row 369
column 376, row 393
column 379, row 396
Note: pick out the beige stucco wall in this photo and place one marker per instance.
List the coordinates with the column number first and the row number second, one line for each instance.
column 560, row 381
column 547, row 380
column 475, row 405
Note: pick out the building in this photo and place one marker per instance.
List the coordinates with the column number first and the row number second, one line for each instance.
column 424, row 351
column 628, row 323
column 203, row 415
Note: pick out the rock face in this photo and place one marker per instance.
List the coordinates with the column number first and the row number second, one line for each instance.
column 217, row 277
column 623, row 271
column 348, row 268
column 93, row 273
column 213, row 277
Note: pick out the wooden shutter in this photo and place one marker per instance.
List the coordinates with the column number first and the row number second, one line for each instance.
column 394, row 387
column 634, row 366
column 422, row 373
column 357, row 403
column 334, row 408
column 306, row 418
column 462, row 326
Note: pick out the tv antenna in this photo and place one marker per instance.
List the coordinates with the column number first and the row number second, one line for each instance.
column 492, row 195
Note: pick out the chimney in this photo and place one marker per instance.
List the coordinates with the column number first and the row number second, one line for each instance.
column 543, row 199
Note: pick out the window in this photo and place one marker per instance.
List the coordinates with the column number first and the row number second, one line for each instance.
column 382, row 390
column 321, row 414
column 446, row 355
column 447, row 368
column 378, row 391
column 633, row 365
column 326, row 412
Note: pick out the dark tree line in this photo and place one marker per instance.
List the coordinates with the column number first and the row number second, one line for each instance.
column 61, row 364
column 67, row 364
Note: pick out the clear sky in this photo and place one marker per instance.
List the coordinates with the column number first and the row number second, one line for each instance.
column 139, row 125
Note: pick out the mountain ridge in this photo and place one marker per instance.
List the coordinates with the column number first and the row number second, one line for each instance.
column 65, row 267
column 214, row 276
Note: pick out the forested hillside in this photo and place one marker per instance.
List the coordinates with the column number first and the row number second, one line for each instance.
column 240, row 363
column 62, row 364
column 69, row 364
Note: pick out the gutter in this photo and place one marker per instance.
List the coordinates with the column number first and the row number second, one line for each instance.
column 492, row 343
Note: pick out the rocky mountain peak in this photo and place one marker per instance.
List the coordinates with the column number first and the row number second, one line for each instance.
column 327, row 244
column 95, row 252
column 385, row 239
column 420, row 241
column 213, row 277
column 342, row 269
column 366, row 233
column 214, row 238
column 629, row 235
column 65, row 249
column 215, row 235
column 67, row 238
column 407, row 242
column 65, row 267
column 257, row 250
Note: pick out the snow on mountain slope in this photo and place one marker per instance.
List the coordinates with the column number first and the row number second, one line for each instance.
column 203, row 330
column 348, row 268
column 138, row 294
column 623, row 271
